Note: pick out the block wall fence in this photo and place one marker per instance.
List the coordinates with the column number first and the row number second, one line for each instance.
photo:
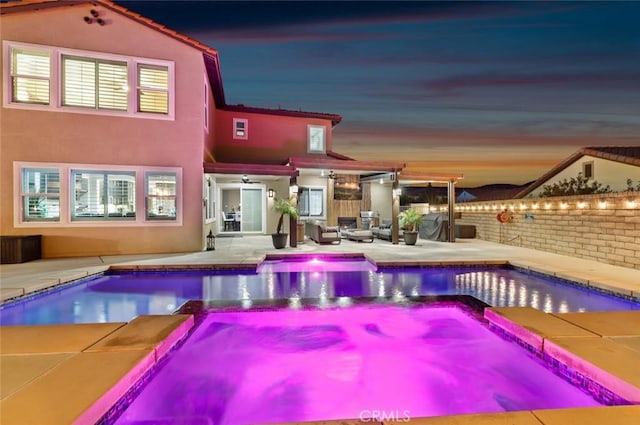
column 602, row 227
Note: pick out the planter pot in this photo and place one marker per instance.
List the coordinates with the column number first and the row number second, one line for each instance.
column 279, row 240
column 410, row 238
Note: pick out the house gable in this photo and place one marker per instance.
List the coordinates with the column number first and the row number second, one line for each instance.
column 611, row 165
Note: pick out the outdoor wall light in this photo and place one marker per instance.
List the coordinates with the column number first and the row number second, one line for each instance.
column 581, row 204
column 293, row 189
column 397, row 192
column 564, row 205
column 547, row 205
column 534, row 205
column 631, row 203
column 602, row 205
column 271, row 193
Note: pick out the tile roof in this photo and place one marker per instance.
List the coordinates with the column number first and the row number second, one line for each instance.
column 624, row 154
column 210, row 55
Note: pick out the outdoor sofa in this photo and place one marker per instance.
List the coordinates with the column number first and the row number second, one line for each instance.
column 319, row 232
column 383, row 231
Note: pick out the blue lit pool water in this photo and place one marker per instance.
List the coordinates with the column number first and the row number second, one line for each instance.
column 121, row 297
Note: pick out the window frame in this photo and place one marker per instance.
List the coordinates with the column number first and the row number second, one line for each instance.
column 237, row 121
column 107, row 216
column 66, row 194
column 322, row 189
column 11, row 75
column 310, row 136
column 56, row 81
column 23, row 195
column 585, row 166
column 147, row 196
column 97, row 86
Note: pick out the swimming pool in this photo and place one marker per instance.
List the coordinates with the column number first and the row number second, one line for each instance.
column 119, row 297
column 293, row 365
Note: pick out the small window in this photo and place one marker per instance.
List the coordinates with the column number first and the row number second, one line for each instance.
column 316, row 142
column 30, row 74
column 40, row 194
column 161, row 196
column 103, row 195
column 240, row 129
column 587, row 169
column 153, row 89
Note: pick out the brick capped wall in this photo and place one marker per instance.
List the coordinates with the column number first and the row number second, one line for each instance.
column 593, row 227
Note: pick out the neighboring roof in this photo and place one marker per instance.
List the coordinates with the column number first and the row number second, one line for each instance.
column 623, row 154
column 210, row 55
column 335, row 119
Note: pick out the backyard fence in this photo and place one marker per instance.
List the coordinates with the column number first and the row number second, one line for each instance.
column 602, row 227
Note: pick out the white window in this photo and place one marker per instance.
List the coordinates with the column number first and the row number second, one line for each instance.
column 40, row 194
column 153, row 89
column 103, row 195
column 316, row 139
column 161, row 196
column 30, row 74
column 74, row 195
column 60, row 79
column 240, row 128
column 92, row 83
column 587, row 169
column 311, row 202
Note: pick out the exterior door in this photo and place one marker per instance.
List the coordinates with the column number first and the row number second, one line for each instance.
column 242, row 208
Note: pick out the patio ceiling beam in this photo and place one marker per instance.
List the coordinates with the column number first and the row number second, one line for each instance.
column 255, row 169
column 409, row 177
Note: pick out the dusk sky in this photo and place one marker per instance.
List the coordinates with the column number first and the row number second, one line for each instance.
column 500, row 92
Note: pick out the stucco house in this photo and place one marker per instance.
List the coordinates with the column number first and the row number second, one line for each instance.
column 608, row 165
column 116, row 138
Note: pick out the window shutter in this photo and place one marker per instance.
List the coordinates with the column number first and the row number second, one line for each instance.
column 153, row 89
column 79, row 84
column 112, row 86
column 30, row 71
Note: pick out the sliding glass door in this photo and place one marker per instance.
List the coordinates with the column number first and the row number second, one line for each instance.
column 242, row 208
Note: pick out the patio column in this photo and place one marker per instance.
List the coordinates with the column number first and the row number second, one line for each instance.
column 451, row 198
column 395, row 210
column 293, row 222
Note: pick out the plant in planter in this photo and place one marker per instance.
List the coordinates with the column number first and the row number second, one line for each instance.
column 283, row 207
column 409, row 221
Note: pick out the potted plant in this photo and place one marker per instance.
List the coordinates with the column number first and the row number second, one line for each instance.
column 409, row 221
column 283, row 207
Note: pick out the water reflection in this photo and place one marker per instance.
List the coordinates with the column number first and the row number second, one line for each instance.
column 123, row 297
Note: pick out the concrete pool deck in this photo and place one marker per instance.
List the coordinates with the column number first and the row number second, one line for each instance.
column 63, row 374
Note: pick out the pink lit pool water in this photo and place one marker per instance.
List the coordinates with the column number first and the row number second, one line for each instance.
column 257, row 367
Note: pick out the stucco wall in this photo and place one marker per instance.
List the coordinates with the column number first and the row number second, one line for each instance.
column 272, row 139
column 601, row 228
column 605, row 171
column 381, row 199
column 47, row 136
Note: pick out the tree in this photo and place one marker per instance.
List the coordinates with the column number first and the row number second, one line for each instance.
column 574, row 186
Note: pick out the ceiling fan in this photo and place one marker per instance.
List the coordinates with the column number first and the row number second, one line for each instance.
column 245, row 180
column 330, row 176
